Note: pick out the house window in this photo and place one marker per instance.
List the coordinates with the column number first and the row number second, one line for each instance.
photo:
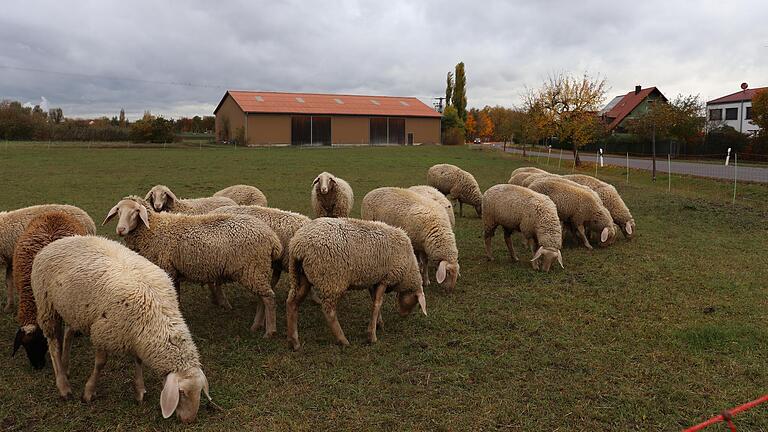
column 749, row 113
column 731, row 113
column 716, row 114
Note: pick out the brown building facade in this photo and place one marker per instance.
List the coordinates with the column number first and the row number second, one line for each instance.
column 270, row 118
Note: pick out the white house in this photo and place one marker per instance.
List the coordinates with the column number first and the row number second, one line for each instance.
column 734, row 110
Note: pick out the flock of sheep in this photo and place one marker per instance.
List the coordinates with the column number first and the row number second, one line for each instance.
column 125, row 297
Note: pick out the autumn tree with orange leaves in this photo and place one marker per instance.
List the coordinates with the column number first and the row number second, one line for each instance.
column 566, row 106
column 471, row 126
column 485, row 126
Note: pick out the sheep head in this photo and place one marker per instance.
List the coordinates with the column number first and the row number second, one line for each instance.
column 406, row 301
column 545, row 256
column 161, row 198
column 325, row 182
column 36, row 346
column 448, row 273
column 181, row 393
column 129, row 212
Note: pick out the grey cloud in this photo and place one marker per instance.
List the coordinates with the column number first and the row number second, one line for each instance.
column 394, row 47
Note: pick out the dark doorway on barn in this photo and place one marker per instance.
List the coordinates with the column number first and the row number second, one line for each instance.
column 410, row 138
column 387, row 130
column 310, row 130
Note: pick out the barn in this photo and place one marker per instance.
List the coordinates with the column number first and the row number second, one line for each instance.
column 272, row 118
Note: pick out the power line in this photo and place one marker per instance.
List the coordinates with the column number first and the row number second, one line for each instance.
column 113, row 78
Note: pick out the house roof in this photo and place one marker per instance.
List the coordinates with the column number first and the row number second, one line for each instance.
column 627, row 104
column 739, row 96
column 315, row 103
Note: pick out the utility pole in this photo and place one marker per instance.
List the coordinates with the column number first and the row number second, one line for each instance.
column 439, row 104
column 741, row 115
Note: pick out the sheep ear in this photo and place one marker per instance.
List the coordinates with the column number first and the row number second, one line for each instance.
column 171, row 195
column 537, row 255
column 205, row 385
column 111, row 214
column 316, row 180
column 422, row 301
column 144, row 215
column 17, row 341
column 604, row 235
column 440, row 276
column 149, row 196
column 628, row 227
column 169, row 397
column 560, row 258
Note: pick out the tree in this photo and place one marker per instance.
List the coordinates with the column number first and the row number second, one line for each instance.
column 121, row 120
column 459, row 96
column 485, row 126
column 55, row 115
column 453, row 126
column 448, row 88
column 760, row 111
column 471, row 126
column 564, row 106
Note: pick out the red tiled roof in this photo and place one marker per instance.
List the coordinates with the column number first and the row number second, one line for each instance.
column 739, row 96
column 629, row 102
column 312, row 103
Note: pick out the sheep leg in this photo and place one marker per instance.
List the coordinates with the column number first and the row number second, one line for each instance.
column 378, row 299
column 510, row 246
column 532, row 244
column 329, row 310
column 275, row 278
column 69, row 333
column 218, row 297
column 295, row 297
column 379, row 320
column 98, row 365
column 138, row 380
column 583, row 235
column 258, row 320
column 9, row 287
column 461, row 209
column 424, row 266
column 487, row 237
column 270, row 318
column 54, row 349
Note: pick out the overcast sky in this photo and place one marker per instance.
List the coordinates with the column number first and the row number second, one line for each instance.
column 94, row 57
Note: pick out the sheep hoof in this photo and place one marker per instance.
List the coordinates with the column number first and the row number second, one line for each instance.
column 270, row 334
column 489, row 258
column 295, row 345
column 8, row 307
column 88, row 398
column 343, row 342
column 140, row 396
column 67, row 396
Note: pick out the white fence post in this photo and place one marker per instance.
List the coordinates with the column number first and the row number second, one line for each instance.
column 561, row 159
column 627, row 167
column 735, row 169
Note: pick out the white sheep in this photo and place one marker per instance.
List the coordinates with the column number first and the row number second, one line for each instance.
column 13, row 223
column 424, row 222
column 209, row 248
column 579, row 207
column 243, row 195
column 333, row 255
column 436, row 195
column 127, row 305
column 284, row 224
column 456, row 184
column 534, row 215
column 331, row 196
column 161, row 199
column 611, row 200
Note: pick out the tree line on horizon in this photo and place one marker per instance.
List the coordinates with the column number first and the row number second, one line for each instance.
column 24, row 123
column 563, row 112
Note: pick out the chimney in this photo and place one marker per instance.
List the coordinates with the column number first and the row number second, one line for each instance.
column 637, row 89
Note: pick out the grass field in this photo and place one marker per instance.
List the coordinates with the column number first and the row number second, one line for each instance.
column 653, row 334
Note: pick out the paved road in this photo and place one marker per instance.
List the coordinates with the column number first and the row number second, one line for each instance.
column 719, row 171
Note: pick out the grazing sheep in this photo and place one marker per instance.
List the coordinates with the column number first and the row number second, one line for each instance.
column 41, row 230
column 284, row 224
column 331, row 196
column 423, row 220
column 535, row 176
column 127, row 305
column 456, row 184
column 611, row 200
column 243, row 195
column 521, row 173
column 436, row 195
column 333, row 255
column 210, row 248
column 162, row 199
column 534, row 215
column 579, row 207
column 13, row 223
